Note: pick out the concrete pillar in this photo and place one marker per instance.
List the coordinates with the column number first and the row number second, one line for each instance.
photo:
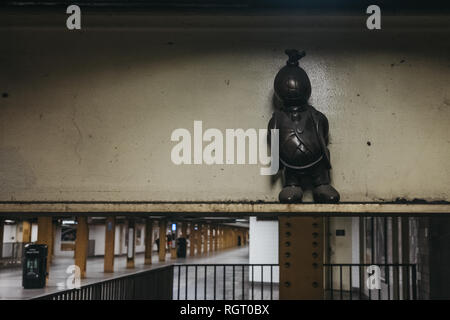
column 45, row 234
column 184, row 230
column 148, row 241
column 131, row 244
column 198, row 240
column 301, row 258
column 173, row 245
column 26, row 232
column 191, row 240
column 211, row 239
column 110, row 236
column 205, row 239
column 81, row 245
column 216, row 238
column 54, row 228
column 162, row 240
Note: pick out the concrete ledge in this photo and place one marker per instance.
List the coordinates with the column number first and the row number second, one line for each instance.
column 261, row 21
column 213, row 208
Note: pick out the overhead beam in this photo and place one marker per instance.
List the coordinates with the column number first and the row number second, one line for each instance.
column 227, row 209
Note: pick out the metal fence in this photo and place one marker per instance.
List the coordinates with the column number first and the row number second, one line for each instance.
column 226, row 282
column 370, row 281
column 247, row 282
column 11, row 254
column 154, row 284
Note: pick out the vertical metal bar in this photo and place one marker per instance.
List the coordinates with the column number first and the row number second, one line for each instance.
column 388, row 279
column 214, row 282
column 331, row 282
column 178, row 285
column 253, row 283
column 385, row 240
column 414, row 289
column 204, row 294
column 233, row 281
column 408, row 297
column 262, row 282
column 224, row 271
column 372, row 240
column 271, row 283
column 350, row 284
column 195, row 296
column 379, row 294
column 397, row 269
column 243, row 283
column 186, row 283
column 361, row 285
column 340, row 281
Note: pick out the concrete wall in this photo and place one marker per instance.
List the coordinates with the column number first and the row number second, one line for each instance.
column 343, row 249
column 10, row 233
column 263, row 247
column 89, row 115
column 97, row 233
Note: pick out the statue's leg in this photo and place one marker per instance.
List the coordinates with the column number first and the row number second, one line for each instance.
column 323, row 192
column 292, row 192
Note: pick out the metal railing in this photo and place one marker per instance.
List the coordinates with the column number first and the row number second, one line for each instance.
column 380, row 282
column 226, row 282
column 247, row 282
column 154, row 284
column 11, row 254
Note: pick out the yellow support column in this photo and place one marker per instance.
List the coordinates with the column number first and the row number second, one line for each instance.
column 191, row 240
column 162, row 240
column 81, row 245
column 198, row 240
column 184, row 230
column 148, row 241
column 205, row 239
column 45, row 234
column 216, row 247
column 110, row 236
column 301, row 258
column 210, row 239
column 26, row 232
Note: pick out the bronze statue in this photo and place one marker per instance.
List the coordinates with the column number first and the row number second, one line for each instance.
column 303, row 135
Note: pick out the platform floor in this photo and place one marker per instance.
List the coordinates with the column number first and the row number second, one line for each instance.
column 11, row 279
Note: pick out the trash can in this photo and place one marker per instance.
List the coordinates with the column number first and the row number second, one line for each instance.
column 34, row 266
column 181, row 247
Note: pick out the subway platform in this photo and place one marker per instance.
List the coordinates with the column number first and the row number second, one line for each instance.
column 11, row 279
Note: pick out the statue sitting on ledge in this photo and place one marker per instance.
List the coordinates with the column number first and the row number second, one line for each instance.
column 303, row 136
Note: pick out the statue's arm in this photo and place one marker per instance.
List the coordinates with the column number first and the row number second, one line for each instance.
column 324, row 127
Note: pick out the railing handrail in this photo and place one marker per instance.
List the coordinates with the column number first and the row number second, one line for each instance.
column 226, row 264
column 369, row 264
column 99, row 282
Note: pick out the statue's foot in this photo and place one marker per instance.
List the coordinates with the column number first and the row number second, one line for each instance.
column 325, row 193
column 291, row 194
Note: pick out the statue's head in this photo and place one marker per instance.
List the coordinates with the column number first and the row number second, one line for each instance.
column 292, row 85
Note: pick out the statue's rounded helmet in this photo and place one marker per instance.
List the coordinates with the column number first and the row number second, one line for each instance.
column 292, row 85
